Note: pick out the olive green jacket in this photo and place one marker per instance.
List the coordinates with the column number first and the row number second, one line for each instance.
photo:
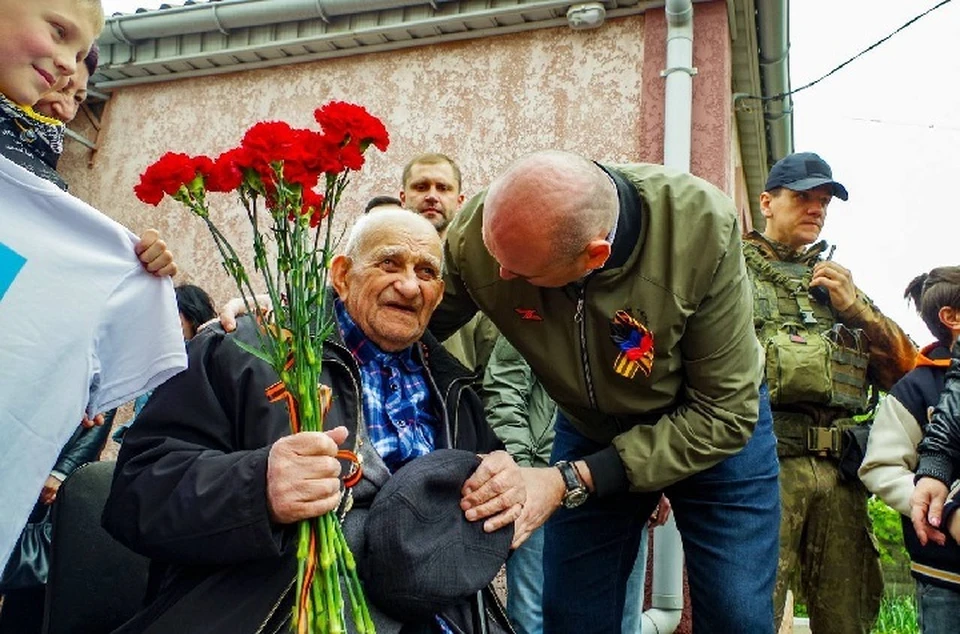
column 676, row 267
column 518, row 409
column 473, row 344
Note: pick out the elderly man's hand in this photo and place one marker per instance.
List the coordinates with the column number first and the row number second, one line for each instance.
column 926, row 507
column 495, row 492
column 838, row 281
column 303, row 475
column 154, row 255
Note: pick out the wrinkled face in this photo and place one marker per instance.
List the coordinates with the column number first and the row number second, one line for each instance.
column 796, row 218
column 432, row 191
column 65, row 103
column 392, row 285
column 41, row 44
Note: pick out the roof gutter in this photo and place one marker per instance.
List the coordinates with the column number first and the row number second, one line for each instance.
column 228, row 15
column 773, row 34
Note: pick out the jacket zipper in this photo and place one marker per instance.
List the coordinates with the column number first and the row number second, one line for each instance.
column 356, row 389
column 456, row 410
column 584, row 360
column 444, row 396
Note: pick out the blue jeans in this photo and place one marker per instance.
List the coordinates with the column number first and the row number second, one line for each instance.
column 728, row 517
column 938, row 609
column 525, row 587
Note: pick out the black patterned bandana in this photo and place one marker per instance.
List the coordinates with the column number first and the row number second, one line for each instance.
column 31, row 140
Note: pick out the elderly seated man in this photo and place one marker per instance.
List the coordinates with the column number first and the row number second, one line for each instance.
column 210, row 483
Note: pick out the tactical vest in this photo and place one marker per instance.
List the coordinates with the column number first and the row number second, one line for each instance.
column 810, row 356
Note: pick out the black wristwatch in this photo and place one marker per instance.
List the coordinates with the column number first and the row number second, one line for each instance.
column 576, row 490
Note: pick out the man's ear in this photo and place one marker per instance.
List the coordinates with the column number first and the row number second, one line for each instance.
column 403, row 198
column 765, row 199
column 460, row 199
column 598, row 251
column 339, row 267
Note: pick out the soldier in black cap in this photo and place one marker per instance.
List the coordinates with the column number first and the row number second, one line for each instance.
column 827, row 347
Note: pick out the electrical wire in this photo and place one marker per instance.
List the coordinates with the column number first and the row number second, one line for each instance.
column 816, row 81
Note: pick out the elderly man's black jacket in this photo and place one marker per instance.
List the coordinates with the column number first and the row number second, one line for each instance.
column 189, row 489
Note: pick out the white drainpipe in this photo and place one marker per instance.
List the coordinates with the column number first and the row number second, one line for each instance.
column 663, row 617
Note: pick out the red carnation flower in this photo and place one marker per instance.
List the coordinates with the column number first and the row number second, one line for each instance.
column 350, row 123
column 166, row 176
column 268, row 142
column 226, row 174
column 313, row 206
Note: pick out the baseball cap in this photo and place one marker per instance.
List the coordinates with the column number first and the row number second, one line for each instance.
column 422, row 554
column 803, row 171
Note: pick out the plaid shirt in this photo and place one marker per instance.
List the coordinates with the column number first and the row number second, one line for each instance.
column 396, row 402
column 396, row 398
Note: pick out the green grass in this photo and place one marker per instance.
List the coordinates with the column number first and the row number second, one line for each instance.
column 888, row 531
column 898, row 615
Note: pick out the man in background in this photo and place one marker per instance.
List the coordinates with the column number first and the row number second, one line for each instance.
column 432, row 188
column 802, row 297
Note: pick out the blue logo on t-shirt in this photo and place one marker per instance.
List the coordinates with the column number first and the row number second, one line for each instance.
column 10, row 264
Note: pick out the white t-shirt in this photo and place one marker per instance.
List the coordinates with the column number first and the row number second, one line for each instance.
column 83, row 327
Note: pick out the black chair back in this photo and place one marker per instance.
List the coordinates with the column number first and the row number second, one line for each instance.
column 95, row 583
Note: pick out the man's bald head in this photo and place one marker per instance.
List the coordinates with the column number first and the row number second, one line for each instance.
column 545, row 210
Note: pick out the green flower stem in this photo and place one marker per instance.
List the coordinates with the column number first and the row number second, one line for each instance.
column 302, row 319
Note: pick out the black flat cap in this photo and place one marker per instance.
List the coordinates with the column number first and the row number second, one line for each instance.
column 422, row 554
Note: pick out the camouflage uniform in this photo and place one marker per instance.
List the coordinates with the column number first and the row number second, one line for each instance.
column 825, row 534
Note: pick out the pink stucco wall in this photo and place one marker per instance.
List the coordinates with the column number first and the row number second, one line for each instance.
column 484, row 102
column 712, row 137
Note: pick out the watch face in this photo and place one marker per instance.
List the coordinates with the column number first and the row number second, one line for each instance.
column 575, row 498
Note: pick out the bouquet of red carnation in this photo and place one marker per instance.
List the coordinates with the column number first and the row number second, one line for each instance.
column 293, row 179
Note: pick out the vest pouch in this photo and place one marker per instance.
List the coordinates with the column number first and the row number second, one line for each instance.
column 798, row 368
column 849, row 361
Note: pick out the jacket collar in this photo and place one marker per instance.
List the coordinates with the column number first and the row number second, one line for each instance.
column 933, row 355
column 804, row 255
column 629, row 220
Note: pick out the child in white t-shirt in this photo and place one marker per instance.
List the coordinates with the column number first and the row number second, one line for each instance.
column 41, row 44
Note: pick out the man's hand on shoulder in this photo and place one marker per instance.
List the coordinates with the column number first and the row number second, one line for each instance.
column 154, row 255
column 236, row 307
column 303, row 475
column 839, row 284
column 495, row 492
